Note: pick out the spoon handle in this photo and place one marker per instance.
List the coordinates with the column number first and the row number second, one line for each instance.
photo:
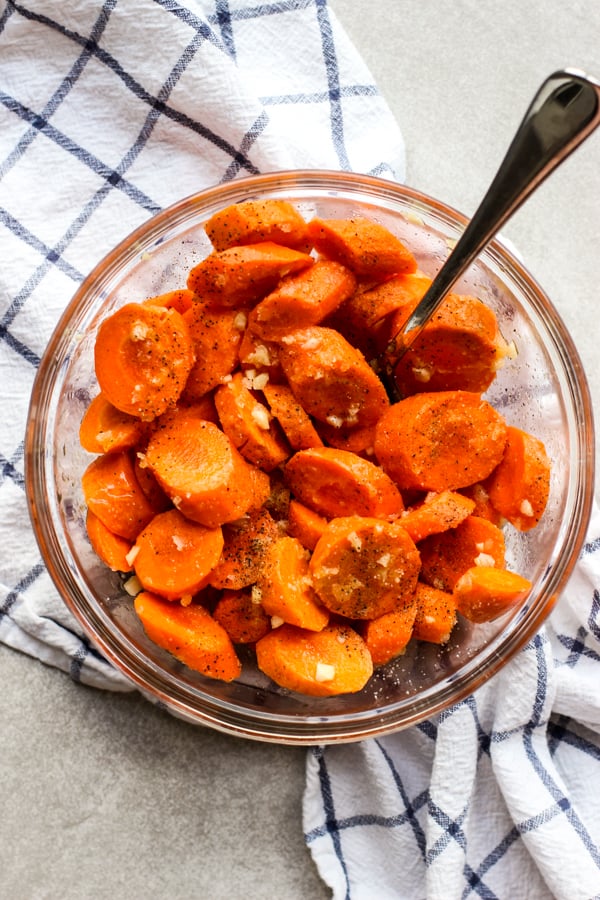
column 565, row 110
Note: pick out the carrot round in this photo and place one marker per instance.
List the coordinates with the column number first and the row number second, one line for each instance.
column 143, row 355
column 190, row 634
column 386, row 636
column 105, row 428
column 317, row 663
column 216, row 335
column 243, row 618
column 339, row 483
column 173, row 556
column 436, row 615
column 519, row 486
column 362, row 567
column 285, row 588
column 181, row 299
column 305, row 524
column 294, row 420
column 445, row 556
column 246, row 543
column 111, row 548
column 254, row 221
column 366, row 247
column 440, row 441
column 331, row 378
column 113, row 493
column 483, row 593
column 437, row 513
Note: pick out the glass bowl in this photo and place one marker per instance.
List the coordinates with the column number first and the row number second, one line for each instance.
column 543, row 390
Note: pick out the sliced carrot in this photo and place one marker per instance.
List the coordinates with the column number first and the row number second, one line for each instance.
column 519, row 486
column 240, row 276
column 246, row 543
column 285, row 588
column 445, row 556
column 260, row 356
column 363, row 567
column 294, row 420
column 249, row 425
column 305, row 524
column 438, row 512
column 243, row 618
column 459, row 349
column 339, row 483
column 366, row 247
column 112, row 492
column 143, row 355
column 303, row 299
column 202, row 407
column 483, row 593
column 359, row 440
column 105, row 428
column 202, row 472
column 111, row 548
column 254, row 221
column 173, row 556
column 440, row 440
column 483, row 505
column 386, row 636
column 331, row 379
column 190, row 634
column 159, row 501
column 216, row 335
column 180, row 299
column 317, row 663
column 436, row 615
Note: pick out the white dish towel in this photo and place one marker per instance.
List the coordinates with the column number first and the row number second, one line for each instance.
column 110, row 111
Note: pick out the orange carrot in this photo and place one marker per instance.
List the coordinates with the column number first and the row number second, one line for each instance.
column 339, row 483
column 359, row 440
column 173, row 556
column 258, row 356
column 202, row 472
column 438, row 512
column 240, row 276
column 445, row 556
column 366, row 247
column 519, row 486
column 331, row 379
column 436, row 615
column 111, row 548
column 317, row 663
column 484, row 593
column 180, row 299
column 143, row 355
column 386, row 636
column 153, row 492
column 440, row 441
column 112, row 492
column 295, row 422
column 216, row 335
column 243, row 618
column 254, row 221
column 363, row 567
column 483, row 505
column 303, row 299
column 305, row 524
column 190, row 634
column 249, row 425
column 105, row 428
column 284, row 586
column 246, row 545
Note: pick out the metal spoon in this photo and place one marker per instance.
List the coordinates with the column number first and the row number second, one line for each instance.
column 564, row 111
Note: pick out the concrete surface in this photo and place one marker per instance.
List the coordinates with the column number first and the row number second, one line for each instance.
column 107, row 797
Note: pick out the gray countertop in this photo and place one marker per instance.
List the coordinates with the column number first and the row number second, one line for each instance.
column 106, row 796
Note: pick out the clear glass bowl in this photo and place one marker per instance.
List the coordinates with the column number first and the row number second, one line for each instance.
column 543, row 390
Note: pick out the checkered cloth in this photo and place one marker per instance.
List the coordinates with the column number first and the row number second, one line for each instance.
column 110, row 112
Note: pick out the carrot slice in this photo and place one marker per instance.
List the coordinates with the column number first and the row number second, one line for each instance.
column 216, row 335
column 105, row 428
column 331, row 379
column 437, row 513
column 339, row 483
column 240, row 276
column 246, row 545
column 112, row 492
column 254, row 221
column 159, row 501
column 362, row 567
column 386, row 636
column 436, row 615
column 445, row 556
column 173, row 556
column 483, row 593
column 243, row 618
column 440, row 441
column 483, row 505
column 111, row 548
column 366, row 247
column 190, row 634
column 143, row 355
column 202, row 472
column 284, row 586
column 317, row 663
column 260, row 356
column 356, row 440
column 519, row 486
column 303, row 299
column 180, row 299
column 249, row 425
column 305, row 524
column 294, row 420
